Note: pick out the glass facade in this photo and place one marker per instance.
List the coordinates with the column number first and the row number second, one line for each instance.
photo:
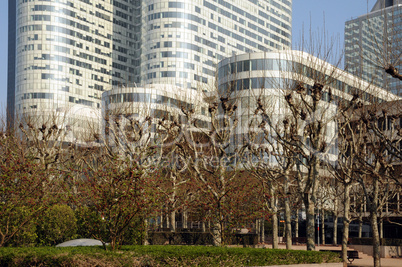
column 269, row 76
column 373, row 41
column 11, row 63
column 284, row 70
column 67, row 52
column 155, row 100
column 183, row 41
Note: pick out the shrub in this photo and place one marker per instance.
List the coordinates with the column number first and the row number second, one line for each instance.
column 58, row 224
column 26, row 235
column 160, row 256
column 135, row 233
column 89, row 224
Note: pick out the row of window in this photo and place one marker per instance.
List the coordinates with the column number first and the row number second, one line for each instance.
column 255, row 64
column 157, row 113
column 181, row 74
column 281, row 83
column 253, row 18
column 146, row 98
column 80, row 101
column 37, row 96
column 219, row 28
column 242, row 13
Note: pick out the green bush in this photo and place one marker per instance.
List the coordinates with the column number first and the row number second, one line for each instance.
column 135, row 233
column 160, row 256
column 26, row 236
column 89, row 224
column 58, row 224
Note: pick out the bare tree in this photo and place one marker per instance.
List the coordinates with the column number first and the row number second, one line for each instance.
column 345, row 167
column 311, row 117
column 377, row 162
column 174, row 176
column 27, row 186
column 214, row 161
column 270, row 162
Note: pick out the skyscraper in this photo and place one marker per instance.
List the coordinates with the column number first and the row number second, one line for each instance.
column 184, row 41
column 373, row 42
column 67, row 52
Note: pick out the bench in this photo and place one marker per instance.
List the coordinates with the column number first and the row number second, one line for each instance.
column 351, row 254
column 299, row 240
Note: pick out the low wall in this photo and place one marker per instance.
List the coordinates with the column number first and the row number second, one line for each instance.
column 385, row 251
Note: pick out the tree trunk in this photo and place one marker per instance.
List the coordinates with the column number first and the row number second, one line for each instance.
column 203, row 227
column 217, row 234
column 145, row 241
column 172, row 201
column 374, row 224
column 376, row 240
column 173, row 221
column 335, row 233
column 288, row 222
column 309, row 199
column 185, row 219
column 360, row 221
column 335, row 230
column 262, row 230
column 381, row 227
column 274, row 210
column 297, row 224
column 113, row 243
column 161, row 220
column 346, row 222
column 275, row 230
column 322, row 227
column 310, row 224
column 2, row 240
column 167, row 220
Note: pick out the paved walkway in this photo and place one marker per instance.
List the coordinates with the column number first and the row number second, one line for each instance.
column 364, row 261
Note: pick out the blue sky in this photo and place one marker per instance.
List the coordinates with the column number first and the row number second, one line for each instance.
column 305, row 12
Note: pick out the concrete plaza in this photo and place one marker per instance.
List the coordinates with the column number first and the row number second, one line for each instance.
column 364, row 261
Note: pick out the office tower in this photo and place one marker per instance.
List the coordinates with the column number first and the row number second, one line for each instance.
column 11, row 63
column 184, row 41
column 373, row 42
column 67, row 52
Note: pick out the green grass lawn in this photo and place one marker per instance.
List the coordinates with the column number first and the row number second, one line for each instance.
column 159, row 256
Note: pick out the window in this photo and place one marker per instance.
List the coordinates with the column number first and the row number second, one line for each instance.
column 168, row 74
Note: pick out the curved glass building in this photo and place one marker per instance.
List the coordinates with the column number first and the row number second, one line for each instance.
column 269, row 76
column 183, row 41
column 123, row 107
column 67, row 52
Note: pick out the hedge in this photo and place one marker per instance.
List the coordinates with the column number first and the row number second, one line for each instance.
column 159, row 256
